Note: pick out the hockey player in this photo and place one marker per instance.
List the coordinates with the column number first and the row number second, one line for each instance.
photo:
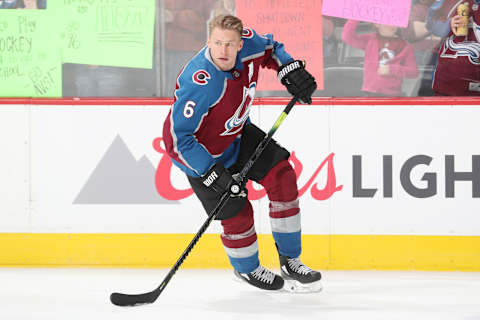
column 209, row 136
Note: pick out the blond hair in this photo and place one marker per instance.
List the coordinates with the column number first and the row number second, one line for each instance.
column 226, row 22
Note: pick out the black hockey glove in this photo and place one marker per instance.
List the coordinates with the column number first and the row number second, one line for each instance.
column 219, row 179
column 299, row 82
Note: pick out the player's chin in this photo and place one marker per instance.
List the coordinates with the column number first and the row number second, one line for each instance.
column 225, row 67
column 224, row 64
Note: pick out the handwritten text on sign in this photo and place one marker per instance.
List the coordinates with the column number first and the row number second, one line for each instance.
column 30, row 63
column 391, row 12
column 297, row 24
column 111, row 33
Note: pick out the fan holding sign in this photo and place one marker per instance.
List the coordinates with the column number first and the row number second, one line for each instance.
column 388, row 58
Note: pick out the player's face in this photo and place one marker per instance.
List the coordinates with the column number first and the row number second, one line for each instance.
column 224, row 46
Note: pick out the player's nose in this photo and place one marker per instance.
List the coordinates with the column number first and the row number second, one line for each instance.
column 224, row 49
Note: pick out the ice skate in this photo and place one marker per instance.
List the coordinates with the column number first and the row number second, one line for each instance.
column 262, row 278
column 298, row 277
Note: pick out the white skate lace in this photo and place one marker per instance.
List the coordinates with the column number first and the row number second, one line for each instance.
column 297, row 266
column 263, row 275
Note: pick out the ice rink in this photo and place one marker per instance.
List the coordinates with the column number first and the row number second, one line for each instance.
column 56, row 293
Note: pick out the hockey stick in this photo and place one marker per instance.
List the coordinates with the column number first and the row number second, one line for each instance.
column 123, row 300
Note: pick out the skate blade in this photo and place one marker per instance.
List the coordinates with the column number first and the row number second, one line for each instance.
column 294, row 286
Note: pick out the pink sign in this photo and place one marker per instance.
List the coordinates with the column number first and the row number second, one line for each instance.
column 296, row 24
column 391, row 12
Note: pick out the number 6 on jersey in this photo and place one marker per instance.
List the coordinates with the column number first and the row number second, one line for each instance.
column 188, row 110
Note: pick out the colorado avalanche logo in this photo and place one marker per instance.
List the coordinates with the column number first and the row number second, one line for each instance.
column 201, row 77
column 462, row 49
column 235, row 123
column 247, row 33
column 386, row 55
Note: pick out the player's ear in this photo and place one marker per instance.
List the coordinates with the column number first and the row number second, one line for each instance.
column 241, row 45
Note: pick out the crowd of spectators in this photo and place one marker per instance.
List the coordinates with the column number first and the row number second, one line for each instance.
column 428, row 57
column 23, row 4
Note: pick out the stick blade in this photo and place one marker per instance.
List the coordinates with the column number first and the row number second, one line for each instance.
column 132, row 300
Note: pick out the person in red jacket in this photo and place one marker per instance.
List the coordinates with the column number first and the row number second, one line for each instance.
column 388, row 58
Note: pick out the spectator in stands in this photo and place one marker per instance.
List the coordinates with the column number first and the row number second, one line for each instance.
column 425, row 44
column 458, row 67
column 438, row 27
column 457, row 72
column 438, row 22
column 388, row 58
column 31, row 4
column 421, row 39
column 223, row 7
column 330, row 45
column 8, row 4
column 186, row 30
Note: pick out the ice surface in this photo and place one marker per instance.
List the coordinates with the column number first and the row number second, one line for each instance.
column 56, row 293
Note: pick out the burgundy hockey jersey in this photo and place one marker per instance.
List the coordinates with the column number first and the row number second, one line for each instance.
column 211, row 106
column 458, row 68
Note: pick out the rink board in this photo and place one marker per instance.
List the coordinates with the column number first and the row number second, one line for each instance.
column 334, row 252
column 381, row 187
